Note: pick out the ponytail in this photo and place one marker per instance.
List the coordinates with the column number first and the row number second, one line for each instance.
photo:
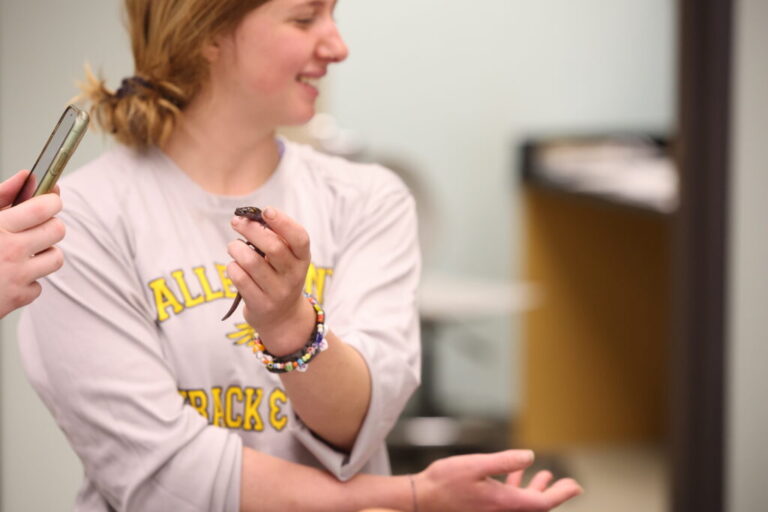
column 140, row 113
column 167, row 38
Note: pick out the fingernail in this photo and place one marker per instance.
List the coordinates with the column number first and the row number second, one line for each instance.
column 269, row 213
column 528, row 456
column 236, row 220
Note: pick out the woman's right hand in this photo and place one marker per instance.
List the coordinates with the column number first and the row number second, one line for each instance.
column 28, row 232
column 463, row 483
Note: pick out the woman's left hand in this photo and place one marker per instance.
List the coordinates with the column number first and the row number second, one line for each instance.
column 272, row 285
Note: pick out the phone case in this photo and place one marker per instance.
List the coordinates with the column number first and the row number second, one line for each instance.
column 65, row 152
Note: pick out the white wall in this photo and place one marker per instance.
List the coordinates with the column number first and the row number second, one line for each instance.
column 747, row 415
column 451, row 86
column 43, row 46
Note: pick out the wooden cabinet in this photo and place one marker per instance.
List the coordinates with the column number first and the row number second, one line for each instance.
column 595, row 348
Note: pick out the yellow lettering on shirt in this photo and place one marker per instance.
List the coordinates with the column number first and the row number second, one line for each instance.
column 276, row 417
column 244, row 335
column 252, row 419
column 202, row 278
column 189, row 301
column 238, row 407
column 218, row 409
column 232, row 419
column 226, row 283
column 164, row 298
column 167, row 303
column 314, row 284
column 199, row 401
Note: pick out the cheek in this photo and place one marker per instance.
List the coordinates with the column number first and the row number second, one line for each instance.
column 268, row 76
column 269, row 65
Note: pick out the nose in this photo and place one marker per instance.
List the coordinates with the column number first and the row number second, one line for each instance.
column 332, row 47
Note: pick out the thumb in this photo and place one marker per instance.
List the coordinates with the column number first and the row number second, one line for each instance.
column 10, row 187
column 499, row 463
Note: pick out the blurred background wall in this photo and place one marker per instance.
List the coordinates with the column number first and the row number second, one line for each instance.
column 747, row 414
column 448, row 89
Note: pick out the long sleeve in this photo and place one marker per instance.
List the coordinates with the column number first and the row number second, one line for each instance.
column 155, row 394
column 371, row 305
column 92, row 350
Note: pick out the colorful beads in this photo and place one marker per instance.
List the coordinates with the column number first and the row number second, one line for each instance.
column 298, row 360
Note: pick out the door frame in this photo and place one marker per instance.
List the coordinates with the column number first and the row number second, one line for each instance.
column 698, row 359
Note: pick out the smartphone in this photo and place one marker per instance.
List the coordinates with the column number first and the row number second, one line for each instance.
column 55, row 154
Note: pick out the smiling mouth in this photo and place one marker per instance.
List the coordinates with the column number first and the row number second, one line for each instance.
column 307, row 80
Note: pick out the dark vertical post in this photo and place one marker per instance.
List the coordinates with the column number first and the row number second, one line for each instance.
column 698, row 358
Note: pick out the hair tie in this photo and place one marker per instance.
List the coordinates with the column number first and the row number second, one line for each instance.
column 130, row 86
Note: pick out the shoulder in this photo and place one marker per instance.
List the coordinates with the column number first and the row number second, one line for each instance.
column 108, row 182
column 345, row 177
column 111, row 171
column 355, row 198
column 103, row 195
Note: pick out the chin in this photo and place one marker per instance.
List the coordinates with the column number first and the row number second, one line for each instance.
column 300, row 118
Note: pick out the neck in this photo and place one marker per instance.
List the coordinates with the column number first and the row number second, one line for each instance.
column 220, row 150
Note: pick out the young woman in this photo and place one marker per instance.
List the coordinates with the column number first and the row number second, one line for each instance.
column 28, row 233
column 166, row 405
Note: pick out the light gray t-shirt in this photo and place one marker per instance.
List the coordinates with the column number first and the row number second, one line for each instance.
column 127, row 349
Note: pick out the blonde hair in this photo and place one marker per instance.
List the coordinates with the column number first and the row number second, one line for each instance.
column 167, row 38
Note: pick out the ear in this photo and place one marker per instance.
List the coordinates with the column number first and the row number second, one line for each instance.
column 211, row 50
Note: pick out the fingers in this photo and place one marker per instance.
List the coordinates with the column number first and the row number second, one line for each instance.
column 19, row 298
column 257, row 268
column 509, row 461
column 561, row 491
column 287, row 250
column 529, row 499
column 293, row 233
column 45, row 263
column 43, row 236
column 247, row 287
column 540, row 481
column 30, row 213
column 268, row 242
column 10, row 187
column 515, row 478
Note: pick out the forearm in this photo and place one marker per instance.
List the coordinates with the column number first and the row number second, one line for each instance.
column 272, row 484
column 332, row 396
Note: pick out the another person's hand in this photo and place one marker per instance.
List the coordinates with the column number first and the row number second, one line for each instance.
column 463, row 483
column 28, row 232
column 272, row 285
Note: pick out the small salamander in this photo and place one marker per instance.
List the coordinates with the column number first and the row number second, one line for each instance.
column 250, row 213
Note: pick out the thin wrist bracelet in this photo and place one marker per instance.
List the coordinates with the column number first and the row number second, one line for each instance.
column 413, row 494
column 301, row 358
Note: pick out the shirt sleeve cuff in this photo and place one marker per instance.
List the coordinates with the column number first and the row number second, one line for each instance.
column 387, row 402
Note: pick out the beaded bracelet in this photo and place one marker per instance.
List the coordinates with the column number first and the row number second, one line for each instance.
column 300, row 359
